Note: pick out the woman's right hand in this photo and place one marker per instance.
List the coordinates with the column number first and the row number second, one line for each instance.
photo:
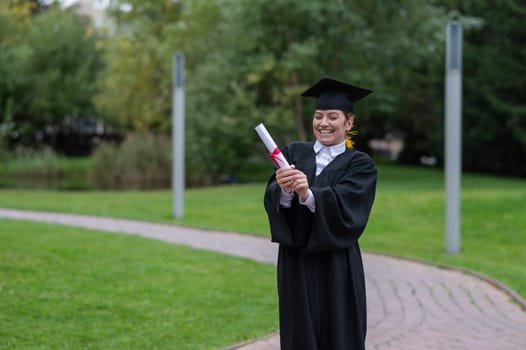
column 285, row 178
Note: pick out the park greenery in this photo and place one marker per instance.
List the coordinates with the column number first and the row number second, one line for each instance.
column 247, row 62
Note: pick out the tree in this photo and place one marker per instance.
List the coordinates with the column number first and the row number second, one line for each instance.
column 494, row 121
column 135, row 86
column 63, row 66
column 248, row 62
column 278, row 48
column 15, row 20
column 51, row 61
column 494, row 108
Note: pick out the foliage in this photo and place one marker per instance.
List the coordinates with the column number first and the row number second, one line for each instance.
column 265, row 54
column 248, row 61
column 143, row 160
column 15, row 20
column 495, row 89
column 27, row 162
column 43, row 169
column 275, row 50
column 135, row 87
column 63, row 63
column 305, row 39
column 83, row 289
column 49, row 60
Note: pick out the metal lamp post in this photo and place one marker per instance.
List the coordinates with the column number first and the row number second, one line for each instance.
column 453, row 136
column 178, row 139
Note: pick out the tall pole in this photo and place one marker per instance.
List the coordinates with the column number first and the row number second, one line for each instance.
column 453, row 137
column 178, row 139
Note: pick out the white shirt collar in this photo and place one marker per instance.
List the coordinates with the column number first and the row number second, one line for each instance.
column 333, row 150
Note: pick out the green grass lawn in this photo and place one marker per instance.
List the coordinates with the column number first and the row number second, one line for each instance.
column 407, row 218
column 71, row 288
column 238, row 208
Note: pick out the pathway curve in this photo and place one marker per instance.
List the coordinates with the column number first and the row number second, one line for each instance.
column 411, row 305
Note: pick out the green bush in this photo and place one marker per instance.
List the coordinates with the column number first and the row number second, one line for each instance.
column 142, row 161
column 42, row 168
column 26, row 166
column 29, row 162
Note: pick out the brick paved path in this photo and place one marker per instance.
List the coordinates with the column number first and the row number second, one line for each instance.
column 411, row 306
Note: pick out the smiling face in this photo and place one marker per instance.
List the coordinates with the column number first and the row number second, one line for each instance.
column 330, row 126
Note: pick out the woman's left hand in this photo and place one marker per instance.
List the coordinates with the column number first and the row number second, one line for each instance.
column 301, row 185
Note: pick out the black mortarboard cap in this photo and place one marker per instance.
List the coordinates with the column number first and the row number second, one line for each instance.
column 334, row 94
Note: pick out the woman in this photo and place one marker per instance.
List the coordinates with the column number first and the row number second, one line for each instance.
column 317, row 210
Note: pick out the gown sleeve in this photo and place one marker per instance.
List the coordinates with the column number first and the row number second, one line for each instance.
column 343, row 206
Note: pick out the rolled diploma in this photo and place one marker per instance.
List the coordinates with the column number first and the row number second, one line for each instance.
column 274, row 152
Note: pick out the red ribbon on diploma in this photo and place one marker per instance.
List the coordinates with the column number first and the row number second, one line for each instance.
column 274, row 156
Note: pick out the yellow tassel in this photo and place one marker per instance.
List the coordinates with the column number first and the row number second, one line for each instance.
column 348, row 142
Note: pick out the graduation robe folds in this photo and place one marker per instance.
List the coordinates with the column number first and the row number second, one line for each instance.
column 321, row 282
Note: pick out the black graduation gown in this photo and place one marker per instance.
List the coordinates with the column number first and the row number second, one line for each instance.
column 321, row 282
